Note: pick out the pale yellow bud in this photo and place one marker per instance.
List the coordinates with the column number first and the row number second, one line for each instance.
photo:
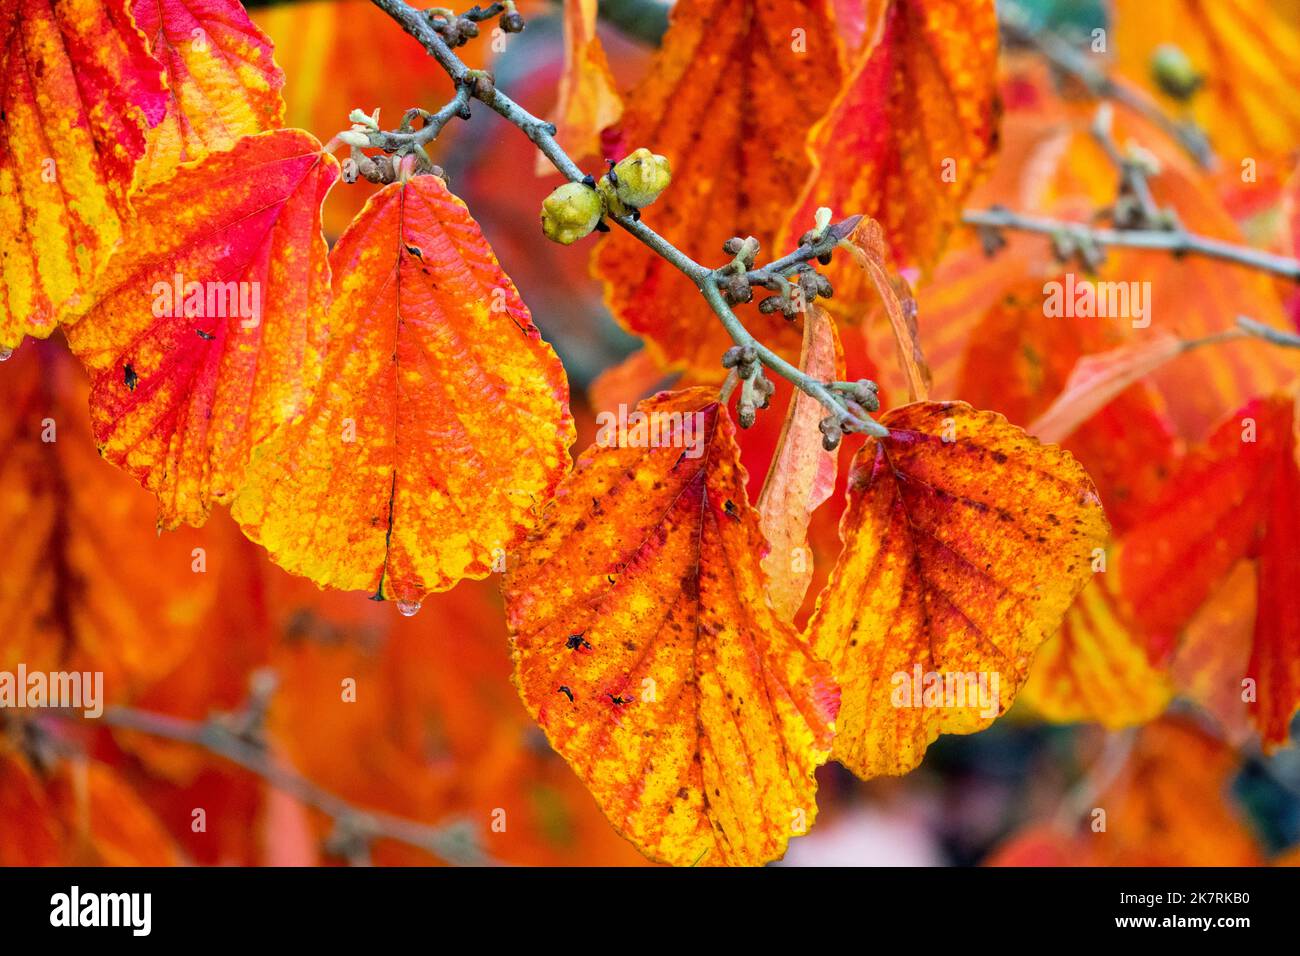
column 571, row 212
column 635, row 181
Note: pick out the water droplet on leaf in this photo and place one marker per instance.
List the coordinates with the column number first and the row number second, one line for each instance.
column 408, row 608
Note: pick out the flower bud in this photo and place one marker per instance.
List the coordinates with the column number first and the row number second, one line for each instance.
column 635, row 181
column 570, row 212
column 354, row 137
column 831, row 431
column 1174, row 72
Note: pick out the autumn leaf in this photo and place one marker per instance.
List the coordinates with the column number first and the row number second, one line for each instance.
column 435, row 731
column 222, row 80
column 64, row 194
column 68, row 596
column 867, row 246
column 79, row 813
column 734, row 165
column 29, row 833
column 802, row 473
column 1212, row 663
column 910, row 132
column 1097, row 379
column 645, row 649
column 1236, row 497
column 965, row 541
column 443, row 423
column 106, row 822
column 209, row 322
column 1058, row 169
column 588, row 99
column 1096, row 667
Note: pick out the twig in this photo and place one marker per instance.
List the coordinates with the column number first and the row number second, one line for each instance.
column 1258, row 329
column 453, row 843
column 1177, row 241
column 707, row 280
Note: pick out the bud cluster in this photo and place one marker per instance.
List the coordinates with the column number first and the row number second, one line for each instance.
column 457, row 30
column 755, row 390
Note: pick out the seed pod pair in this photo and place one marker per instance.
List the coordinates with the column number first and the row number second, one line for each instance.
column 573, row 210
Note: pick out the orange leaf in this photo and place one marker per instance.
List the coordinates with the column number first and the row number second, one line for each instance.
column 70, row 599
column 1018, row 359
column 29, row 833
column 867, row 245
column 79, row 93
column 106, row 821
column 1191, row 297
column 443, row 423
column 802, row 473
column 1214, row 658
column 1096, row 667
column 911, row 130
column 644, row 647
column 1238, row 497
column 965, row 541
column 728, row 100
column 1097, row 379
column 222, row 80
column 588, row 99
column 208, row 329
column 343, row 55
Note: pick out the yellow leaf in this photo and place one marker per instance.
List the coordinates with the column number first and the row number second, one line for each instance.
column 965, row 541
column 644, row 647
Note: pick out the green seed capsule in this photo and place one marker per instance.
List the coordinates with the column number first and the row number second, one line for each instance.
column 1174, row 72
column 571, row 212
column 635, row 181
